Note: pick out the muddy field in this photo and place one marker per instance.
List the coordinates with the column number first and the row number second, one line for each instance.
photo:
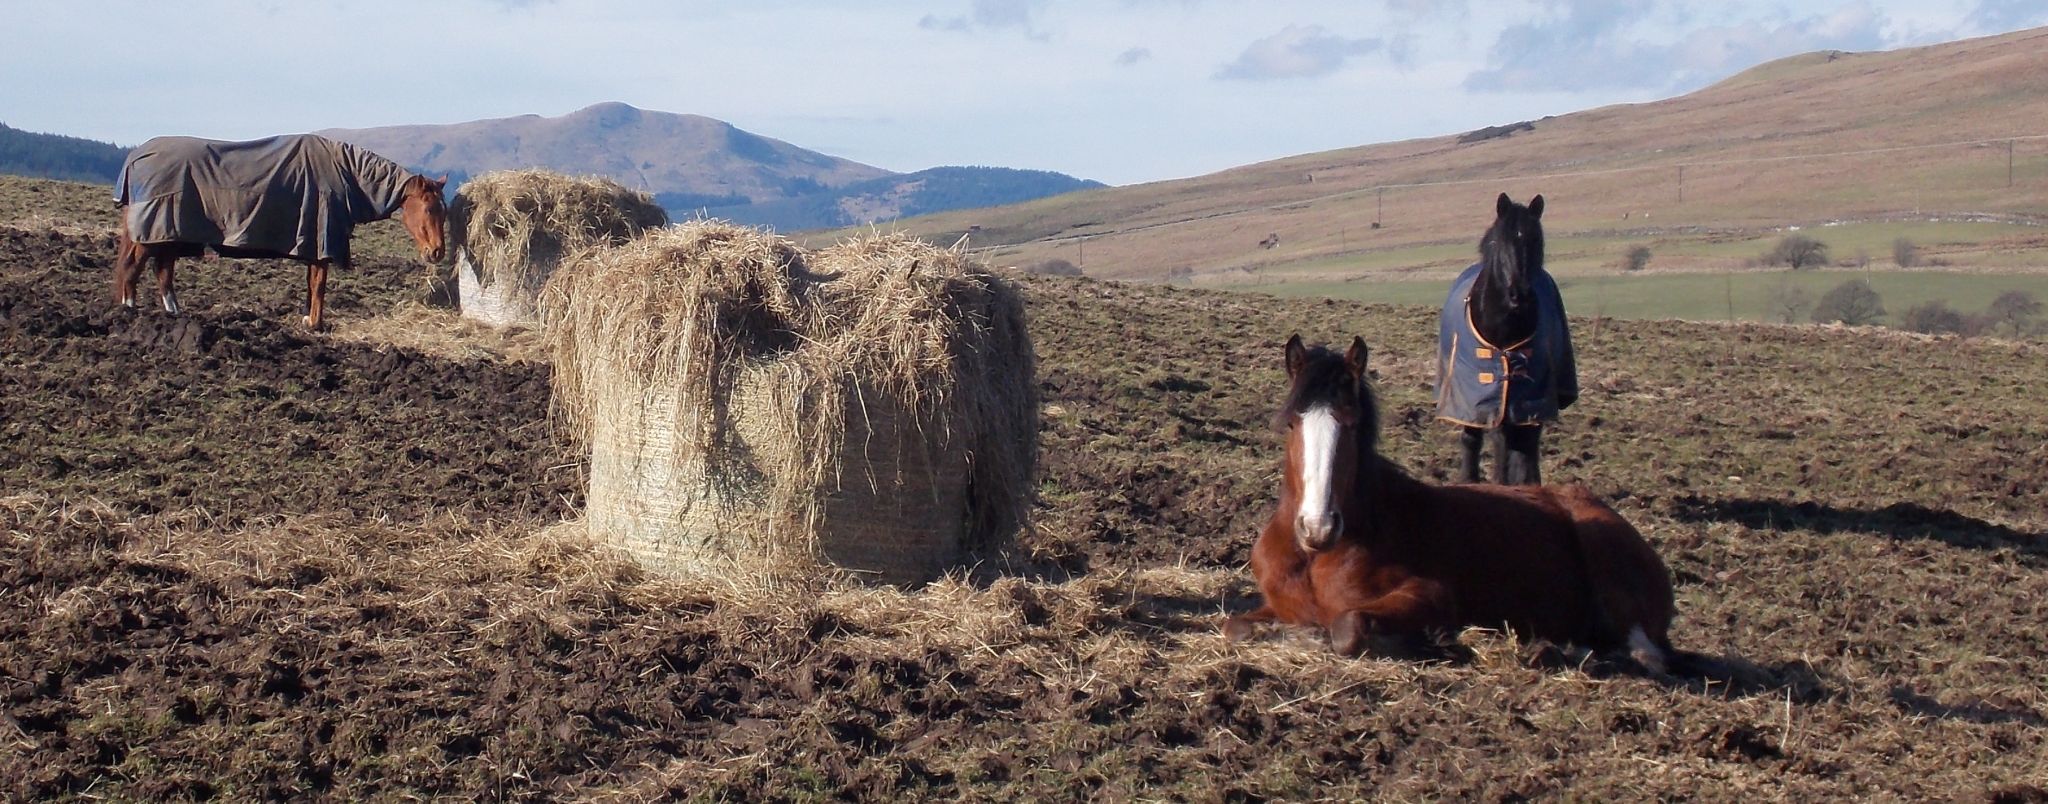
column 244, row 561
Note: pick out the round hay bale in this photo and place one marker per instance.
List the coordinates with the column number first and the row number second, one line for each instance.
column 511, row 229
column 760, row 414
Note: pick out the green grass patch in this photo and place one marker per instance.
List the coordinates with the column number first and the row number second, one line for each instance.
column 1979, row 244
column 1747, row 295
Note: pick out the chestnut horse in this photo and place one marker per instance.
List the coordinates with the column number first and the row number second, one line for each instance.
column 291, row 197
column 1359, row 548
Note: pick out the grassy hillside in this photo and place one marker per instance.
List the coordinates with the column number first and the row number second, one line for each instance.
column 1900, row 137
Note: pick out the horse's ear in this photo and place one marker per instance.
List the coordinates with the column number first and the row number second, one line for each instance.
column 1536, row 207
column 1297, row 356
column 1503, row 205
column 1355, row 357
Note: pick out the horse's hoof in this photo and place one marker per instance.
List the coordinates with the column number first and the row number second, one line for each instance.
column 1237, row 629
column 1349, row 634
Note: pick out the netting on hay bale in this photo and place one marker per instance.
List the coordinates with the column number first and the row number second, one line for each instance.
column 754, row 412
column 511, row 229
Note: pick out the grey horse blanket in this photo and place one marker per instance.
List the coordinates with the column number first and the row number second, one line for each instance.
column 298, row 195
column 1479, row 384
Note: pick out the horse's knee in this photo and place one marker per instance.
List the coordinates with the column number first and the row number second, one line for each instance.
column 1470, row 440
column 1521, row 451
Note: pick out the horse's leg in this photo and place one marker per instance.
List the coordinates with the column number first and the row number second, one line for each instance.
column 1497, row 438
column 1470, row 439
column 1240, row 626
column 1524, row 451
column 1410, row 608
column 316, row 293
column 166, row 274
column 128, row 259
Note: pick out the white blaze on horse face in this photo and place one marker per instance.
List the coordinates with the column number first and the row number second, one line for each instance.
column 1315, row 518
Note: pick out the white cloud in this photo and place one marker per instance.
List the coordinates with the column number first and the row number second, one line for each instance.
column 1297, row 51
column 989, row 15
column 1614, row 44
column 1080, row 87
column 1999, row 16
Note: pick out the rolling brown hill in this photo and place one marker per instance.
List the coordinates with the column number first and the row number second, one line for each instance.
column 1907, row 134
column 689, row 158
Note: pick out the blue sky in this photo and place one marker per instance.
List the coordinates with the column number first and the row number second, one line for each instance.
column 1122, row 91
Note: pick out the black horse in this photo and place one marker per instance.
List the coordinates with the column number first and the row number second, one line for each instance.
column 1505, row 362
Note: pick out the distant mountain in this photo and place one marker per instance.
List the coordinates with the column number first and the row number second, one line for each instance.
column 684, row 160
column 900, row 196
column 692, row 165
column 696, row 165
column 54, row 156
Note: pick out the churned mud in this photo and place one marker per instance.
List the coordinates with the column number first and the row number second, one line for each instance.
column 239, row 560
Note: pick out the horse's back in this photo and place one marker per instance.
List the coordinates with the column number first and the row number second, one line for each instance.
column 285, row 195
column 1510, row 556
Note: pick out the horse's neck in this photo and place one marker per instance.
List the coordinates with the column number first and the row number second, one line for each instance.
column 1384, row 491
column 1498, row 321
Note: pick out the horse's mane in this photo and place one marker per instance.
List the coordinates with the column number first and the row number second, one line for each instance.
column 1326, row 380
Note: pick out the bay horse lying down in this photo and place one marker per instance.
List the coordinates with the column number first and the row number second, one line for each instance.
column 298, row 197
column 1358, row 548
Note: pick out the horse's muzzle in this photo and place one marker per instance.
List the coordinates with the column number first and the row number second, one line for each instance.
column 1317, row 533
column 435, row 256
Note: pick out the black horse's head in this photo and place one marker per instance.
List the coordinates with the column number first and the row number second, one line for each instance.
column 1332, row 424
column 1512, row 249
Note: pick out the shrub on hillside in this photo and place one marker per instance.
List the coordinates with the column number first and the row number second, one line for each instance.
column 1853, row 302
column 2013, row 313
column 1933, row 318
column 1790, row 303
column 1905, row 253
column 1637, row 257
column 1798, row 251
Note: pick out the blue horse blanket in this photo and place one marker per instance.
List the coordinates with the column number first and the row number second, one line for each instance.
column 1480, row 384
column 298, row 195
